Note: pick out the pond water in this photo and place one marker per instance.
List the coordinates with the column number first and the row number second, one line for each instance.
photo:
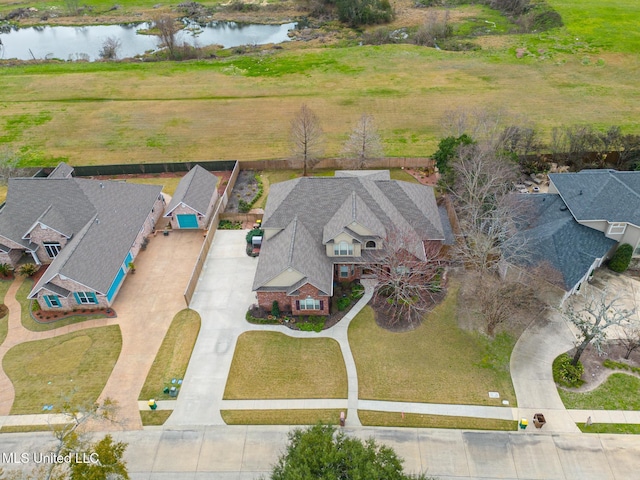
column 72, row 43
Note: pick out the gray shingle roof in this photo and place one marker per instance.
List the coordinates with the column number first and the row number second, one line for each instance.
column 370, row 174
column 103, row 219
column 195, row 190
column 555, row 237
column 325, row 206
column 61, row 171
column 601, row 194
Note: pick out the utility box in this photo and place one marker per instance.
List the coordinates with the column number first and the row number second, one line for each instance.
column 538, row 420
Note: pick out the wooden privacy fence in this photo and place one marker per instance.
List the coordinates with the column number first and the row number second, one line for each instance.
column 241, row 217
column 211, row 231
column 338, row 163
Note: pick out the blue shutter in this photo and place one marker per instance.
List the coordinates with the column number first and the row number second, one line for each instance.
column 93, row 295
column 47, row 301
column 75, row 295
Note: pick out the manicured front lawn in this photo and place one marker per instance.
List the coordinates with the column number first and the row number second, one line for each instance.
column 618, row 392
column 436, row 363
column 269, row 365
column 73, row 367
column 394, row 419
column 281, row 417
column 173, row 356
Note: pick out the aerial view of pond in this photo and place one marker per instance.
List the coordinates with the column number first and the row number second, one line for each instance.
column 73, row 43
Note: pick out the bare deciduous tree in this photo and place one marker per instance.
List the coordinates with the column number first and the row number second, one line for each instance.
column 9, row 165
column 487, row 212
column 307, row 138
column 594, row 313
column 168, row 28
column 364, row 142
column 110, row 47
column 408, row 272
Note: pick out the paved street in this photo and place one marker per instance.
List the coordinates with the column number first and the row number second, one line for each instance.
column 242, row 453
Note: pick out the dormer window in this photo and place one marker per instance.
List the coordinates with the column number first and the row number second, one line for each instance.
column 617, row 228
column 370, row 244
column 343, row 249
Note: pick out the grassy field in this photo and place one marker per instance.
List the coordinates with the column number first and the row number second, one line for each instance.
column 280, row 417
column 73, row 367
column 173, row 356
column 240, row 108
column 29, row 323
column 169, row 185
column 394, row 419
column 619, row 392
column 269, row 365
column 436, row 363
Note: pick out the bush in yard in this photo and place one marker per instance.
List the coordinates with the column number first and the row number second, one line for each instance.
column 567, row 374
column 243, row 206
column 28, row 269
column 256, row 232
column 5, row 269
column 621, row 259
column 343, row 303
column 313, row 324
column 275, row 309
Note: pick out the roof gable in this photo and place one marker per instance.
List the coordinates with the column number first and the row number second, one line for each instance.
column 195, row 190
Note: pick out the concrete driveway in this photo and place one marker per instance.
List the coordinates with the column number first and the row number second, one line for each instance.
column 222, row 299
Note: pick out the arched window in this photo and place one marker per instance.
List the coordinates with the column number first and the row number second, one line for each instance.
column 343, row 248
column 370, row 244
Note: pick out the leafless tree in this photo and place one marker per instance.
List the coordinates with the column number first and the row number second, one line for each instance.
column 109, row 49
column 364, row 142
column 409, row 273
column 630, row 339
column 9, row 165
column 433, row 29
column 167, row 27
column 594, row 313
column 487, row 212
column 574, row 143
column 307, row 138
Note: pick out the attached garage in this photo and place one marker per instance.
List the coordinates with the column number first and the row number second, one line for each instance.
column 187, row 220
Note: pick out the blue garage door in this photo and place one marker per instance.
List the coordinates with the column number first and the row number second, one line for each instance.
column 187, row 220
column 116, row 283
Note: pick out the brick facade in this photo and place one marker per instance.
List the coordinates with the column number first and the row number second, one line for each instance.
column 288, row 303
column 70, row 303
column 12, row 257
column 41, row 234
column 354, row 273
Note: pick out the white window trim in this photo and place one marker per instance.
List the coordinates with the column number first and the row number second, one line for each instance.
column 315, row 304
column 337, row 249
column 51, row 247
column 617, row 228
column 85, row 299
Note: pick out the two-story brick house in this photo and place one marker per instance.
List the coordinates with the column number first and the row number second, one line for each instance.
column 86, row 231
column 321, row 230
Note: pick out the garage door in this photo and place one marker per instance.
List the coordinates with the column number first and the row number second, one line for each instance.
column 187, row 221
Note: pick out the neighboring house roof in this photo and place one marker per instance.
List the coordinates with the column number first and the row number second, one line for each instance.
column 102, row 218
column 61, row 171
column 195, row 191
column 310, row 212
column 554, row 237
column 601, row 195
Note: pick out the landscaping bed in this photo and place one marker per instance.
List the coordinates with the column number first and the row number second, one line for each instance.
column 246, row 192
column 345, row 296
column 50, row 316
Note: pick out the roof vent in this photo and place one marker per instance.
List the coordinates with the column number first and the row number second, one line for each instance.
column 564, row 208
column 98, row 221
column 580, row 192
column 101, row 185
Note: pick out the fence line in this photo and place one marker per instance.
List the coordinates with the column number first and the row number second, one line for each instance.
column 211, row 231
column 241, row 217
column 338, row 163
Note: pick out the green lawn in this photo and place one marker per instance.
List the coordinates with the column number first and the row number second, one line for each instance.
column 619, row 392
column 154, row 417
column 619, row 428
column 73, row 367
column 395, row 419
column 436, row 363
column 173, row 356
column 269, row 365
column 169, row 185
column 281, row 417
column 29, row 323
column 612, row 24
column 4, row 321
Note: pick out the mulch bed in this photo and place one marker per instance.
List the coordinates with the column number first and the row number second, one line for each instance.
column 384, row 319
column 329, row 321
column 50, row 316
